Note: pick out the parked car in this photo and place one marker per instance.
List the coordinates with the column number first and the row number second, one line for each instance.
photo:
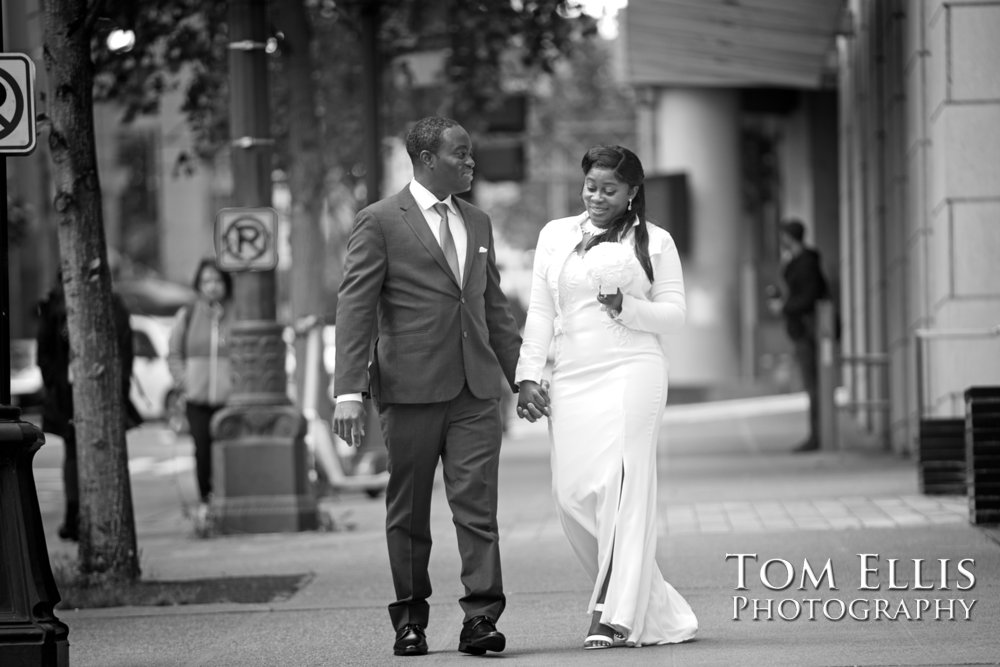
column 26, row 387
column 153, row 391
column 154, row 296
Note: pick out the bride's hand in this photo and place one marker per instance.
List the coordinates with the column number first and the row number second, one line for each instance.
column 612, row 302
column 532, row 401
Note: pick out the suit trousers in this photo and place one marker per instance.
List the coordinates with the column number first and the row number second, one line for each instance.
column 464, row 434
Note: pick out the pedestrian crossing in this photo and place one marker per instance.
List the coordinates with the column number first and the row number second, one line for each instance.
column 843, row 513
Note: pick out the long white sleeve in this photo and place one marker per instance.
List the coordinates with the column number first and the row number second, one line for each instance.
column 666, row 310
column 540, row 323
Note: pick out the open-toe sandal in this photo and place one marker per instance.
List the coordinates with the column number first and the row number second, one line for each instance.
column 597, row 641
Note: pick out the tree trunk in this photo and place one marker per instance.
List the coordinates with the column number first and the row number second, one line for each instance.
column 306, row 180
column 107, row 523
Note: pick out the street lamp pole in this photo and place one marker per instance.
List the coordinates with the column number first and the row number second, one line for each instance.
column 259, row 455
column 30, row 633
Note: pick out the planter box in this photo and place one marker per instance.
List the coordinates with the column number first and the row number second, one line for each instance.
column 982, row 453
column 941, row 456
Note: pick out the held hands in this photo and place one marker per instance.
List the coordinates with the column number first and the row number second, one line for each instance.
column 533, row 400
column 349, row 421
column 612, row 302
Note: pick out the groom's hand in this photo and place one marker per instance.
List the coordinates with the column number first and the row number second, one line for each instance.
column 532, row 401
column 349, row 421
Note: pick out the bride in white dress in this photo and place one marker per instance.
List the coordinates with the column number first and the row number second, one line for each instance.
column 606, row 286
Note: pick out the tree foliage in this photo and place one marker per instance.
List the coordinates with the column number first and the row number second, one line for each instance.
column 184, row 43
column 580, row 104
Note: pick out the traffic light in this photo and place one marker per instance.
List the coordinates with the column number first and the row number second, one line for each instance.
column 500, row 153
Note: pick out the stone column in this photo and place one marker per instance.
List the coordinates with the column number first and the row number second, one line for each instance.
column 697, row 132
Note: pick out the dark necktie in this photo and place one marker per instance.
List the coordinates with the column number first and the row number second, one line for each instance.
column 447, row 241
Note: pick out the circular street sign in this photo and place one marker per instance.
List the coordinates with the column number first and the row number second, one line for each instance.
column 246, row 239
column 9, row 118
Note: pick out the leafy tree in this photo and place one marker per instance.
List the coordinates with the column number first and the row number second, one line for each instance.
column 107, row 523
column 188, row 37
column 577, row 105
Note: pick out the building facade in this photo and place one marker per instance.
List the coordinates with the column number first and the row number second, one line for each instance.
column 891, row 157
column 920, row 206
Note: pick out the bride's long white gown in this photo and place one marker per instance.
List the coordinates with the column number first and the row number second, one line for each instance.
column 608, row 390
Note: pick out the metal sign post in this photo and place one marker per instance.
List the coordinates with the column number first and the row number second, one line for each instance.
column 17, row 137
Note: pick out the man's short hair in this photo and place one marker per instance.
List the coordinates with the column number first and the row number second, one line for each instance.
column 794, row 228
column 425, row 135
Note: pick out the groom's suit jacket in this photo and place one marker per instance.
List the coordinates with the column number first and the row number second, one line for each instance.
column 432, row 335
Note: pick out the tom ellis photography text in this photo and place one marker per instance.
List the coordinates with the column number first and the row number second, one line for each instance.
column 888, row 589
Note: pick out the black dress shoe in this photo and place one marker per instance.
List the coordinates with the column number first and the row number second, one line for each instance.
column 410, row 640
column 480, row 635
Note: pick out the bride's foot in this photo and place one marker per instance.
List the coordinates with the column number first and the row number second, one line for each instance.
column 600, row 635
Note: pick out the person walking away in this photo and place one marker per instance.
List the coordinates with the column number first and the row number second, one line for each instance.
column 421, row 273
column 198, row 358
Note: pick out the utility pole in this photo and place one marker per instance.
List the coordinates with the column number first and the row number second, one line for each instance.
column 259, row 454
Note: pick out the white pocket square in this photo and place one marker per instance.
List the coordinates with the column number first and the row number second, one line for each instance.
column 482, row 249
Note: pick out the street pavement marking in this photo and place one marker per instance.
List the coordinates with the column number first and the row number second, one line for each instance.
column 846, row 513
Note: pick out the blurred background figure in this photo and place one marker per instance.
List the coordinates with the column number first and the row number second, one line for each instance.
column 199, row 364
column 805, row 284
column 54, row 357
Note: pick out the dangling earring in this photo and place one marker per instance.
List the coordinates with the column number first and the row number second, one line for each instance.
column 630, row 204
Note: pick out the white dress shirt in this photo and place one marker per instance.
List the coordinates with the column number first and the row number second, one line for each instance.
column 426, row 201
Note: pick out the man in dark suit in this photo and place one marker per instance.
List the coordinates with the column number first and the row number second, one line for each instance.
column 804, row 286
column 421, row 273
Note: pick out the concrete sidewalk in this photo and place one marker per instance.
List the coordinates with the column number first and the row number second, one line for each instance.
column 728, row 485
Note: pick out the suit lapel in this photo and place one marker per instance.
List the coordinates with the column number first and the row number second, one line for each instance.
column 414, row 217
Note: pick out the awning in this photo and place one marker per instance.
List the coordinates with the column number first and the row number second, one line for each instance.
column 735, row 43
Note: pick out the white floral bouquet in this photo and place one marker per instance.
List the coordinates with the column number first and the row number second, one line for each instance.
column 610, row 266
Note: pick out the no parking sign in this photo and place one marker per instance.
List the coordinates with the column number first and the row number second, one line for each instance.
column 17, row 105
column 246, row 239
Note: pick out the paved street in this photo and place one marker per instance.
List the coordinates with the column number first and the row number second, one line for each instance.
column 728, row 485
